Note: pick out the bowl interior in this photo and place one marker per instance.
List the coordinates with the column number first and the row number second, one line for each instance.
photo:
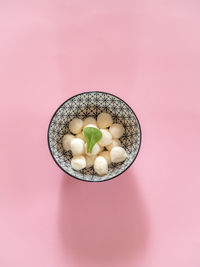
column 92, row 104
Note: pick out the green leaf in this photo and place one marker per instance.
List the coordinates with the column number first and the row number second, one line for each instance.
column 92, row 136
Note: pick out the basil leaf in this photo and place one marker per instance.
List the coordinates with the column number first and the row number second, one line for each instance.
column 92, row 136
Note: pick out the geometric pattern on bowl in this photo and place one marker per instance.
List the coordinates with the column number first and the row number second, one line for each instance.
column 92, row 104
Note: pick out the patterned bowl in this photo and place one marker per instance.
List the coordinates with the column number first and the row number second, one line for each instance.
column 91, row 104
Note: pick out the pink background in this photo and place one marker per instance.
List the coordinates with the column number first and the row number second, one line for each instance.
column 148, row 53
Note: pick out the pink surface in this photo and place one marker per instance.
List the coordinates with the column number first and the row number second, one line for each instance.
column 148, row 53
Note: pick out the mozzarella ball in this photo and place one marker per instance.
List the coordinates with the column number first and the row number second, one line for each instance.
column 77, row 147
column 90, row 161
column 106, row 155
column 89, row 120
column 106, row 138
column 104, row 120
column 115, row 142
column 81, row 136
column 75, row 125
column 118, row 154
column 66, row 141
column 101, row 165
column 91, row 125
column 95, row 150
column 78, row 163
column 117, row 130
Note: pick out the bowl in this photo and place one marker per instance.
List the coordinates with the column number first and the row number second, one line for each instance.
column 92, row 104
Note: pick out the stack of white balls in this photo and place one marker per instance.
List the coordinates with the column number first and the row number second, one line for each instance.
column 107, row 150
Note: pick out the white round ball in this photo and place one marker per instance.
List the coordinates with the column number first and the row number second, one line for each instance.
column 75, row 125
column 77, row 147
column 106, row 138
column 78, row 163
column 118, row 154
column 66, row 141
column 115, row 142
column 89, row 120
column 117, row 130
column 91, row 125
column 95, row 150
column 81, row 136
column 90, row 161
column 106, row 155
column 100, row 165
column 104, row 120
